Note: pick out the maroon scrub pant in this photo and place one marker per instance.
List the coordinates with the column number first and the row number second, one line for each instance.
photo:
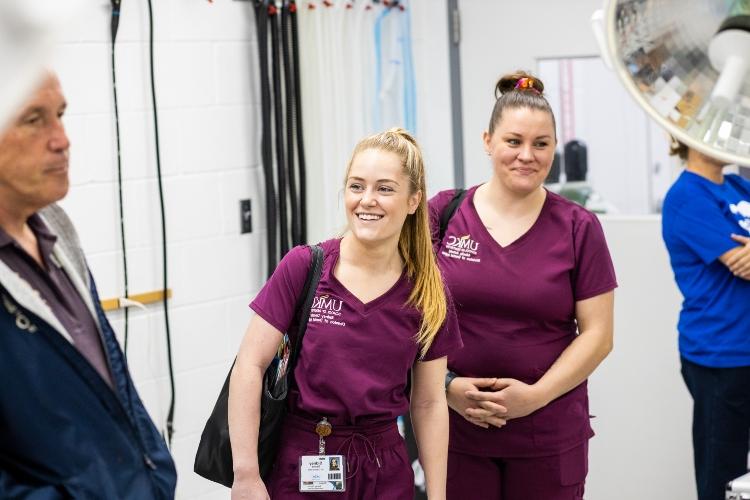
column 377, row 463
column 557, row 477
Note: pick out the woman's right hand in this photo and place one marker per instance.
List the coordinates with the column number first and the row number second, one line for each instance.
column 250, row 488
column 457, row 400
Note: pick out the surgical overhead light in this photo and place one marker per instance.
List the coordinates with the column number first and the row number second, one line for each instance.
column 687, row 63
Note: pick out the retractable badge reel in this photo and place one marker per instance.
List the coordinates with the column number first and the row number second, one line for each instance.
column 321, row 472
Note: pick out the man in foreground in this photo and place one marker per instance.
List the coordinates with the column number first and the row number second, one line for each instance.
column 71, row 422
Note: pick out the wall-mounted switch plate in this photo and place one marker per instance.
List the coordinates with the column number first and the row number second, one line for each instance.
column 246, row 217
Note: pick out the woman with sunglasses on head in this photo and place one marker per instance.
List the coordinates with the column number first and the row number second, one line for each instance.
column 533, row 282
column 380, row 310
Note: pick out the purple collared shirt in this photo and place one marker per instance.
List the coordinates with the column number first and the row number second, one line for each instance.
column 58, row 291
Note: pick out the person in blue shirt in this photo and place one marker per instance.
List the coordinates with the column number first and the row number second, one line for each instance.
column 706, row 228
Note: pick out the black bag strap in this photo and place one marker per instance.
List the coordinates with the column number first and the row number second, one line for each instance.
column 450, row 209
column 304, row 305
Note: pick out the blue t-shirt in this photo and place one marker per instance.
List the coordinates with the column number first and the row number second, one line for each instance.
column 698, row 219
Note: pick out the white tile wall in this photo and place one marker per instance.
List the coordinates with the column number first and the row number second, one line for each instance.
column 209, row 121
column 208, row 112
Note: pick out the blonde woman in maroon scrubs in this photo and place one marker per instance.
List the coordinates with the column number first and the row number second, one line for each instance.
column 533, row 282
column 379, row 311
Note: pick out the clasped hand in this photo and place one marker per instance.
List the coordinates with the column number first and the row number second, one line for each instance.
column 739, row 263
column 492, row 401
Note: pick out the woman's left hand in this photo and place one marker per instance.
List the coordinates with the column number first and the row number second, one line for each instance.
column 519, row 398
column 739, row 262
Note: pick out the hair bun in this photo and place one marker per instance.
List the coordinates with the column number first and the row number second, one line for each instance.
column 521, row 81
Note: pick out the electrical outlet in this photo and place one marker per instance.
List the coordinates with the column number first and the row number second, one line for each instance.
column 246, row 217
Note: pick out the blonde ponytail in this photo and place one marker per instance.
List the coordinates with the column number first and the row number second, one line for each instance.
column 415, row 244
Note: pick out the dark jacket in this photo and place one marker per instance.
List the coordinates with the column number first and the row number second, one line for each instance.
column 63, row 432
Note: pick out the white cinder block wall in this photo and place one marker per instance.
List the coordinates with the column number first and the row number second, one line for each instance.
column 205, row 58
column 209, row 112
column 206, row 64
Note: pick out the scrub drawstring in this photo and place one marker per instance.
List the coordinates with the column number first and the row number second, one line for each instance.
column 351, row 450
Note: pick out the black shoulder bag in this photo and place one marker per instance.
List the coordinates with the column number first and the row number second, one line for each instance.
column 450, row 209
column 213, row 459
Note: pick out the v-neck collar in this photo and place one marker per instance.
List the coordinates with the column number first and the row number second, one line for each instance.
column 518, row 242
column 361, row 307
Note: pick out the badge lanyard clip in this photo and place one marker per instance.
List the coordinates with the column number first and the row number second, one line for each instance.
column 323, row 429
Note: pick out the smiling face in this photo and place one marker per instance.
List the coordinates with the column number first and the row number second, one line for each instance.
column 522, row 148
column 378, row 197
column 34, row 152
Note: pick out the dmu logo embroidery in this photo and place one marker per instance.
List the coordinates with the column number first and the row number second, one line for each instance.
column 463, row 243
column 462, row 248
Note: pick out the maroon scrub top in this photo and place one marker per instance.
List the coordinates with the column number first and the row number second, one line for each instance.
column 355, row 357
column 516, row 309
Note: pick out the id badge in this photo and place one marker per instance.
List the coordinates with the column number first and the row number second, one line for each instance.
column 322, row 473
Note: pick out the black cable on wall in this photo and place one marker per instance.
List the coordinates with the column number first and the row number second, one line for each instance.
column 261, row 23
column 278, row 120
column 114, row 25
column 297, row 124
column 282, row 149
column 170, row 415
column 286, row 49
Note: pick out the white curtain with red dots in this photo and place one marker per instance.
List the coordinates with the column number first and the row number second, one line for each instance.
column 357, row 79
